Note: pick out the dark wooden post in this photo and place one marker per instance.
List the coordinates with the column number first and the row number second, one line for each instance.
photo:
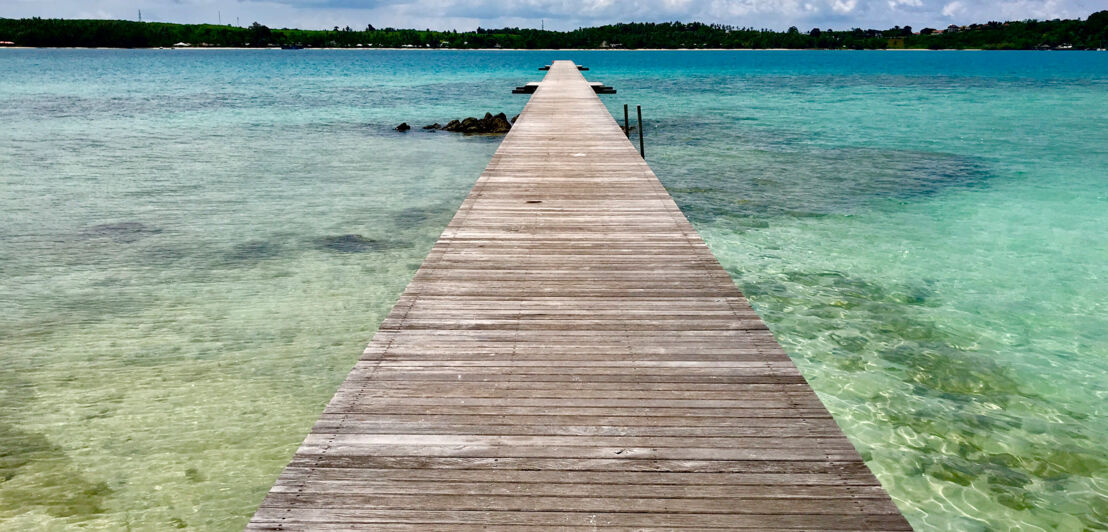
column 642, row 151
column 626, row 122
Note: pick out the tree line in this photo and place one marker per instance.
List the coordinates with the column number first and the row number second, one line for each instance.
column 1091, row 33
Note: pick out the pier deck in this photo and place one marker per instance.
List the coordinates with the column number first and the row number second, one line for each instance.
column 571, row 355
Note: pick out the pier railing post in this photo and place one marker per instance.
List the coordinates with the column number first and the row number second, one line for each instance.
column 642, row 151
column 626, row 122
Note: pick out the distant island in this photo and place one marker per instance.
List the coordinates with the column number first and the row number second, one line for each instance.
column 1089, row 34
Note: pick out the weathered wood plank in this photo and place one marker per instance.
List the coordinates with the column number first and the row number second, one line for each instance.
column 309, row 518
column 857, row 476
column 571, row 356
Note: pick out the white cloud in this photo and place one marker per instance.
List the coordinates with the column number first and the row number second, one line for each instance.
column 844, row 6
column 953, row 9
column 894, row 4
column 1048, row 9
column 98, row 14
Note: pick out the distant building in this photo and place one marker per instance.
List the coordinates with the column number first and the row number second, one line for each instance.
column 7, row 43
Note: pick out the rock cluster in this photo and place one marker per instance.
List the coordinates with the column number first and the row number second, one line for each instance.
column 490, row 124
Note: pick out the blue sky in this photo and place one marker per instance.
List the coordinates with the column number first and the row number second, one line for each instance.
column 560, row 14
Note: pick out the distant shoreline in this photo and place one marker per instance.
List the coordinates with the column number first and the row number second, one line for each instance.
column 370, row 49
column 1070, row 34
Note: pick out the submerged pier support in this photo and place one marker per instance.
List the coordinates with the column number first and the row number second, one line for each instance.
column 571, row 354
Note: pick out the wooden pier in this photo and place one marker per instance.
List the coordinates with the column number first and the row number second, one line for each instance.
column 572, row 356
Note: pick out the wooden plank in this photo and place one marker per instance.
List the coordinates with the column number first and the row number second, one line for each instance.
column 840, row 478
column 570, row 355
column 296, row 517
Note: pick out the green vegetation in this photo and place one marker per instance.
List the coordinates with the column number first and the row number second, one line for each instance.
column 1091, row 33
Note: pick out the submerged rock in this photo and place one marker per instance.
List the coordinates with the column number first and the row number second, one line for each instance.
column 121, row 231
column 514, row 118
column 414, row 216
column 403, row 127
column 253, row 251
column 498, row 123
column 357, row 244
column 470, row 125
column 488, row 124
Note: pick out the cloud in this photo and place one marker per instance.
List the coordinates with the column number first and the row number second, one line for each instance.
column 561, row 14
column 896, row 4
column 844, row 6
column 337, row 4
column 953, row 9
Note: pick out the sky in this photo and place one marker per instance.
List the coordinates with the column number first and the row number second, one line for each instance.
column 465, row 15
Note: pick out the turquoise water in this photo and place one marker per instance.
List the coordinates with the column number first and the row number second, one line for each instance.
column 197, row 245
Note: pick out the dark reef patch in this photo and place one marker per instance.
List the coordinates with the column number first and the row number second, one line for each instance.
column 58, row 487
column 866, row 325
column 783, row 173
column 50, row 480
column 417, row 216
column 352, row 243
column 123, row 232
column 254, row 251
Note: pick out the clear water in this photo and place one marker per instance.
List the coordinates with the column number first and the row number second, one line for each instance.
column 196, row 245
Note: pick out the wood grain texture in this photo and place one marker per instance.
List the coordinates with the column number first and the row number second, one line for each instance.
column 571, row 356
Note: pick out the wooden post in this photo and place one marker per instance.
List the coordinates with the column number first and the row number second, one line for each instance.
column 626, row 122
column 642, row 151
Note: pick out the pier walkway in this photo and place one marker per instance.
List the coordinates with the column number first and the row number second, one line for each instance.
column 571, row 355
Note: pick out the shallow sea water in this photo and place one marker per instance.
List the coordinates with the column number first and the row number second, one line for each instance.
column 196, row 246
